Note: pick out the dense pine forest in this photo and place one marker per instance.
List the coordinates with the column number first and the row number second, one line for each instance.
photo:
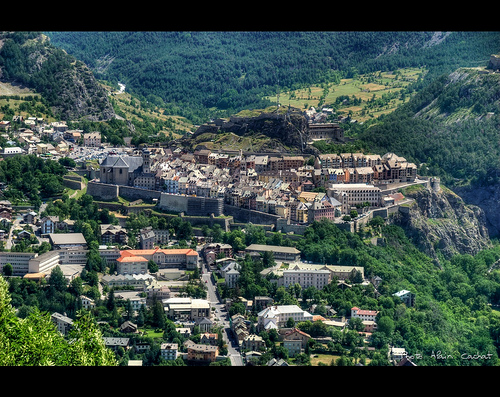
column 202, row 74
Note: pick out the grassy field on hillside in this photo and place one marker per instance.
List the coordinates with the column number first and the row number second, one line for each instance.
column 378, row 93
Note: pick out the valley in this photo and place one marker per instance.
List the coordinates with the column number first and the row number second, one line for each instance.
column 169, row 214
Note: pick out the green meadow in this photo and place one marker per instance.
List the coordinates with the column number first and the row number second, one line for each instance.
column 363, row 96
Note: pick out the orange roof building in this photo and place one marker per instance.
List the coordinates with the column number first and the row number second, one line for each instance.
column 135, row 261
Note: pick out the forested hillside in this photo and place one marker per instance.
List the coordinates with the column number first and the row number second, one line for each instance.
column 68, row 85
column 197, row 73
column 450, row 129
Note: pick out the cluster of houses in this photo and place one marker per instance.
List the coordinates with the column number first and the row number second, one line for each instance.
column 287, row 186
column 34, row 135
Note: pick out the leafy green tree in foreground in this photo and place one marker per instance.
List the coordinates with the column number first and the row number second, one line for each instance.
column 35, row 340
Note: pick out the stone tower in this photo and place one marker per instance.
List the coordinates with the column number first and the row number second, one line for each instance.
column 435, row 184
column 146, row 160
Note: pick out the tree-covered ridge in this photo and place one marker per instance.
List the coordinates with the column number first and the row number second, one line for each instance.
column 28, row 58
column 198, row 72
column 30, row 178
column 451, row 126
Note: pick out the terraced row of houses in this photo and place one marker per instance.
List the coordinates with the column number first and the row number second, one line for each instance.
column 279, row 185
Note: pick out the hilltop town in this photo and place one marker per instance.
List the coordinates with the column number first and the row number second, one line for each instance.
column 278, row 192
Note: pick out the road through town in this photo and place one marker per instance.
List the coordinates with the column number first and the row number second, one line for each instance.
column 222, row 318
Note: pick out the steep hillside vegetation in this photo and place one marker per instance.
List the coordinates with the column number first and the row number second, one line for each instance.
column 202, row 75
column 450, row 129
column 28, row 58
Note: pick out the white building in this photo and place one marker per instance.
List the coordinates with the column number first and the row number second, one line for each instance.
column 318, row 278
column 365, row 315
column 186, row 309
column 279, row 315
column 232, row 277
column 169, row 351
column 350, row 194
column 87, row 303
column 137, row 281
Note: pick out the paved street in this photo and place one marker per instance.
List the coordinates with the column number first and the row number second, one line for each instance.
column 221, row 317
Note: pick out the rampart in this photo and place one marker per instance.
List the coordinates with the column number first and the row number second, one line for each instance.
column 135, row 193
column 73, row 182
column 173, row 202
column 108, row 192
column 246, row 215
column 102, row 191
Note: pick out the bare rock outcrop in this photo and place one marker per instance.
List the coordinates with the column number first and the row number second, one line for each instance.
column 440, row 221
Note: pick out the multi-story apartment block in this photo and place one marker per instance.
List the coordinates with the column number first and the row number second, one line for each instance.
column 92, row 139
column 329, row 209
column 169, row 351
column 318, row 278
column 113, row 234
column 48, row 224
column 201, row 353
column 351, row 194
column 366, row 168
column 63, row 323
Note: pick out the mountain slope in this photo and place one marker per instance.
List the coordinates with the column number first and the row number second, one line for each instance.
column 450, row 129
column 208, row 74
column 67, row 84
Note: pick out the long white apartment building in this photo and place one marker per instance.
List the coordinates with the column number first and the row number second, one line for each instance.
column 31, row 262
column 350, row 194
column 318, row 278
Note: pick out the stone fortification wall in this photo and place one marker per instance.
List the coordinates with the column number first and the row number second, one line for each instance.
column 246, row 215
column 102, row 191
column 106, row 191
column 73, row 182
column 134, row 193
column 173, row 202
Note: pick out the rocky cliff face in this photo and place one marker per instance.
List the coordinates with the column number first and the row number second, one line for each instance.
column 440, row 221
column 68, row 85
column 282, row 130
column 488, row 198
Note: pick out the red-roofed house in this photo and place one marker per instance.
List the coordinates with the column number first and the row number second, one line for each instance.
column 163, row 257
column 368, row 315
column 294, row 341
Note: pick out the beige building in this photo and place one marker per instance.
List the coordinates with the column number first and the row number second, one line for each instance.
column 186, row 309
column 131, row 261
column 92, row 139
column 280, row 253
column 318, row 278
